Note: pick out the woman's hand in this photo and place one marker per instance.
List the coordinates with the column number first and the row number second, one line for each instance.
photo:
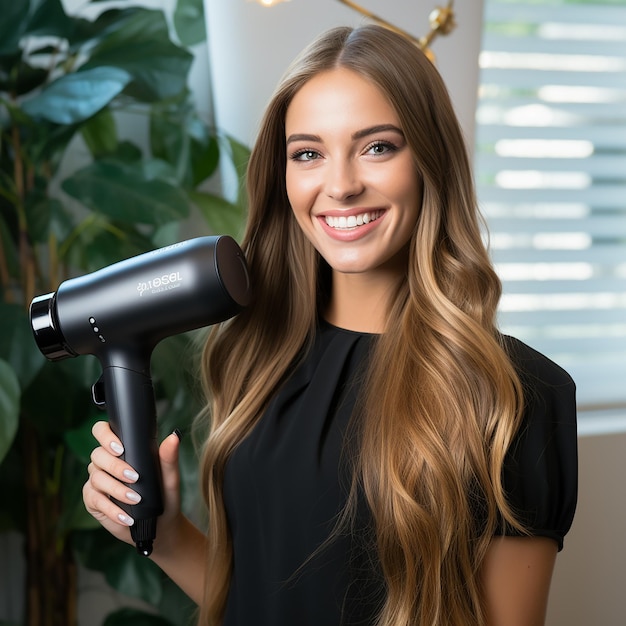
column 111, row 477
column 179, row 547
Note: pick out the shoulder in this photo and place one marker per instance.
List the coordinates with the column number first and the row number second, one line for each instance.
column 541, row 469
column 536, row 369
column 549, row 390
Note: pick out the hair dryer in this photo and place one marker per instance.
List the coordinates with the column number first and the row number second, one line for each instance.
column 119, row 314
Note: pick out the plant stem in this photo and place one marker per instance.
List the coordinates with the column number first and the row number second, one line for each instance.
column 51, row 571
column 34, row 519
column 5, row 277
column 53, row 261
column 27, row 264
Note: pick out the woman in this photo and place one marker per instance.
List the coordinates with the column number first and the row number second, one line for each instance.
column 378, row 453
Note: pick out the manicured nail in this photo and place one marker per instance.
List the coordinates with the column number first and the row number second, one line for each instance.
column 178, row 434
column 132, row 495
column 132, row 476
column 117, row 448
column 125, row 519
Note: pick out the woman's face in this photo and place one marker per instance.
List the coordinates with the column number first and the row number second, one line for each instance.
column 351, row 178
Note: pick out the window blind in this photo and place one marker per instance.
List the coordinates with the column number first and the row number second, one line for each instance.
column 550, row 168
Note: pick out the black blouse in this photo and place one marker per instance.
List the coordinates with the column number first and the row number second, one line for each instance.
column 286, row 483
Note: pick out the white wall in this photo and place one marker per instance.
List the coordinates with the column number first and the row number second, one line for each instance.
column 251, row 46
column 589, row 582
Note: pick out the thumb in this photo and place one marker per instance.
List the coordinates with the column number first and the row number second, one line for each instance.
column 169, row 454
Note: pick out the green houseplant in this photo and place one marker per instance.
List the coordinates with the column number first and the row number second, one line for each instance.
column 65, row 83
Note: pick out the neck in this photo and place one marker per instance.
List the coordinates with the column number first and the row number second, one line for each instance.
column 361, row 302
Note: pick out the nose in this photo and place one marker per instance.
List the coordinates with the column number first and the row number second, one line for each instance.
column 343, row 181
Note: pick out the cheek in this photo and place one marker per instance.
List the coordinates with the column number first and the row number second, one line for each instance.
column 292, row 191
column 410, row 196
column 301, row 195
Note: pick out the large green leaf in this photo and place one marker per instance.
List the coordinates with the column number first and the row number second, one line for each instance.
column 102, row 243
column 173, row 362
column 240, row 155
column 187, row 143
column 12, row 25
column 189, row 22
column 43, row 215
column 47, row 144
column 120, row 192
column 48, row 19
column 221, row 216
column 141, row 46
column 100, row 134
column 80, row 440
column 59, row 398
column 75, row 97
column 169, row 142
column 74, row 516
column 205, row 155
column 87, row 33
column 17, row 344
column 9, row 407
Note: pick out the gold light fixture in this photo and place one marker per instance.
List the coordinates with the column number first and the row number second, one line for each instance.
column 441, row 21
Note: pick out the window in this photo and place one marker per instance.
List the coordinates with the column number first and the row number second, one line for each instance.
column 551, row 180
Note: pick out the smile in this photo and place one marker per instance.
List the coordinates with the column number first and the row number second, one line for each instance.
column 352, row 221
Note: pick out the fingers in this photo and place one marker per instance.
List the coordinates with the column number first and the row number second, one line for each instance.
column 111, row 477
column 100, row 505
column 107, row 438
column 113, row 465
column 109, row 482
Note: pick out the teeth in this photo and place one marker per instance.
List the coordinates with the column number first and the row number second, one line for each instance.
column 353, row 221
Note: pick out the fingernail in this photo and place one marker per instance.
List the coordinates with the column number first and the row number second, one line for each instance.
column 117, row 448
column 131, row 475
column 132, row 495
column 178, row 434
column 125, row 519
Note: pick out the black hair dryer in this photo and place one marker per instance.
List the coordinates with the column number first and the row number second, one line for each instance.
column 119, row 314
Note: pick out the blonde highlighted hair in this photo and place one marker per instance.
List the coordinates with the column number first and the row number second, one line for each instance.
column 443, row 399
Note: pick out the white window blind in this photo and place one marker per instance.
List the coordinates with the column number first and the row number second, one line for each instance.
column 551, row 177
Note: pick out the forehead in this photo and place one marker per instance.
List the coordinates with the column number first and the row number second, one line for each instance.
column 338, row 98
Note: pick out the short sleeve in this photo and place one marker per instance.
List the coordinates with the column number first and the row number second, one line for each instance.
column 540, row 472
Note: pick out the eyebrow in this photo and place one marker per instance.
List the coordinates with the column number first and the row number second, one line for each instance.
column 359, row 134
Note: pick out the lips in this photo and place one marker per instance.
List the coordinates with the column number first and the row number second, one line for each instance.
column 343, row 222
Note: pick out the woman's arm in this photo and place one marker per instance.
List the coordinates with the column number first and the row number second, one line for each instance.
column 516, row 579
column 180, row 547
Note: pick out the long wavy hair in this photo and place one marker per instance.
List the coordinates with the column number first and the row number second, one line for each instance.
column 443, row 400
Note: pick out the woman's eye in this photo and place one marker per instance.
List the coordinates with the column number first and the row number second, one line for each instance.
column 305, row 155
column 380, row 147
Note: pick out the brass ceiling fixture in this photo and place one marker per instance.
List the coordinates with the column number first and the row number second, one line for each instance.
column 441, row 21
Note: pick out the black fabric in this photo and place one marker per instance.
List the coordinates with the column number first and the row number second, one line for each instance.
column 287, row 481
column 541, row 469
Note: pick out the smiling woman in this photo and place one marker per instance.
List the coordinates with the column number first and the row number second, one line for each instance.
column 378, row 453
